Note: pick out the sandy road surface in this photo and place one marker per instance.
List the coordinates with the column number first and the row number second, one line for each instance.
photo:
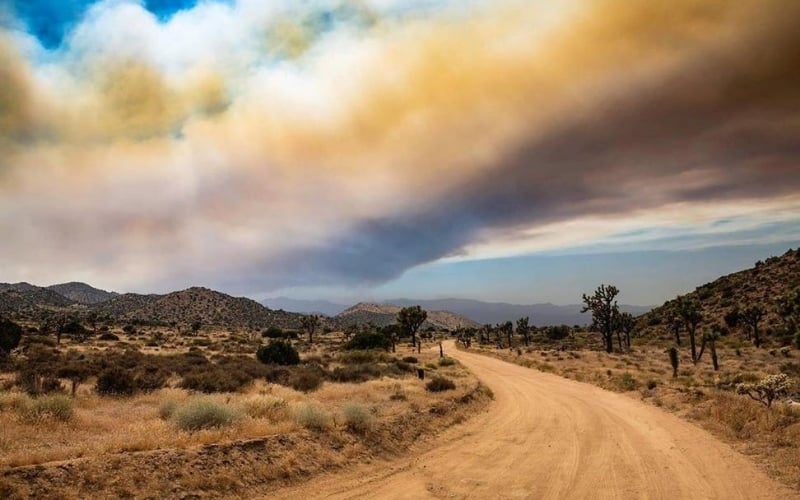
column 549, row 437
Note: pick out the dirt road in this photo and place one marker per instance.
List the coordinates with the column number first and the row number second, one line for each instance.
column 549, row 437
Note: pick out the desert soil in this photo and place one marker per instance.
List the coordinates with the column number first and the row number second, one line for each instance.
column 550, row 437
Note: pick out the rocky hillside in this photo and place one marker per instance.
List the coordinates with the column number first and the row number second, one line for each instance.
column 25, row 302
column 82, row 293
column 386, row 314
column 198, row 304
column 123, row 306
column 764, row 285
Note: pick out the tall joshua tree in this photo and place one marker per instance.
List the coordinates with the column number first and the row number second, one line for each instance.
column 604, row 308
column 410, row 319
column 310, row 324
column 524, row 329
column 690, row 313
column 751, row 317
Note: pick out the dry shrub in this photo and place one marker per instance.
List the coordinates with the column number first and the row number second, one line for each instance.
column 53, row 407
column 312, row 417
column 272, row 408
column 746, row 419
column 13, row 400
column 440, row 384
column 446, row 361
column 204, row 414
column 357, row 418
column 306, row 379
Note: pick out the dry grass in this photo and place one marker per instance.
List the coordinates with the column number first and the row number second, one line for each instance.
column 103, row 428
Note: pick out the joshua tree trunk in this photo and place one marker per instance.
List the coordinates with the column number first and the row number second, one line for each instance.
column 609, row 341
column 673, row 359
column 713, row 347
column 693, row 344
column 441, row 350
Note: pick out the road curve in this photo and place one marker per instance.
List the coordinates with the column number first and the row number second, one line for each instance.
column 550, row 437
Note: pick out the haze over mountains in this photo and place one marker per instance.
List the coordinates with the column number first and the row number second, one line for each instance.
column 476, row 310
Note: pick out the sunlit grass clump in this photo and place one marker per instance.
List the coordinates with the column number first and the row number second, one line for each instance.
column 204, row 414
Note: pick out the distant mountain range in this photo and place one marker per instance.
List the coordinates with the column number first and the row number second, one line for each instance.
column 475, row 310
column 305, row 306
column 386, row 314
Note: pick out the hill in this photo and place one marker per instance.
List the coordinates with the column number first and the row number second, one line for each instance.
column 82, row 293
column 386, row 314
column 199, row 304
column 30, row 301
column 500, row 312
column 764, row 285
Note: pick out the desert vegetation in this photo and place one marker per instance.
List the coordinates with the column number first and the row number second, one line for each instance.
column 152, row 388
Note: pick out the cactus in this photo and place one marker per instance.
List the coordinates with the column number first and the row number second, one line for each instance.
column 673, row 359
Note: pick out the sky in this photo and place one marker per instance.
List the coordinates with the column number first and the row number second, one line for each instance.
column 518, row 150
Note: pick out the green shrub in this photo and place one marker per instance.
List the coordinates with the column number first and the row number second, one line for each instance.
column 440, row 384
column 410, row 359
column 56, row 407
column 652, row 384
column 167, row 408
column 312, row 417
column 628, row 382
column 273, row 332
column 446, row 361
column 108, row 336
column 357, row 418
column 10, row 335
column 278, row 352
column 115, row 381
column 368, row 340
column 204, row 414
column 797, row 340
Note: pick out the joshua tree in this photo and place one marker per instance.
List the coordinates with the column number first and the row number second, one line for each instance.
column 673, row 360
column 484, row 335
column 603, row 306
column 689, row 311
column 506, row 328
column 410, row 319
column 310, row 324
column 768, row 389
column 732, row 317
column 524, row 329
column 625, row 326
column 195, row 326
column 789, row 311
column 751, row 317
column 675, row 324
column 710, row 338
column 92, row 320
